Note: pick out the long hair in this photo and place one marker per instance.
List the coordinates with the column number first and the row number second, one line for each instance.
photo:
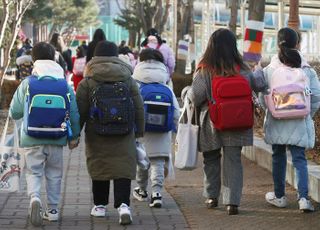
column 222, row 55
column 98, row 36
column 287, row 42
column 57, row 41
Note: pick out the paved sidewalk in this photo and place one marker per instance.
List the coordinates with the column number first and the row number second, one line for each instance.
column 254, row 212
column 76, row 205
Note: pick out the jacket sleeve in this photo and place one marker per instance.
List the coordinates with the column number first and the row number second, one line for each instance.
column 74, row 115
column 176, row 114
column 171, row 62
column 17, row 104
column 83, row 103
column 139, row 110
column 315, row 90
column 198, row 92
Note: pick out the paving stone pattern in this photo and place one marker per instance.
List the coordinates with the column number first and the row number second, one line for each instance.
column 77, row 202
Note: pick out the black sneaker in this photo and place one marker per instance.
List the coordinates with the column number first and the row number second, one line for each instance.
column 156, row 200
column 211, row 202
column 140, row 195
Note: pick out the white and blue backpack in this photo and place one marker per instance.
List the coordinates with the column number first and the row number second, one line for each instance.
column 158, row 107
column 47, row 108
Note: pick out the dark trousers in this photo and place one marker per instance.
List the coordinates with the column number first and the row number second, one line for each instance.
column 122, row 189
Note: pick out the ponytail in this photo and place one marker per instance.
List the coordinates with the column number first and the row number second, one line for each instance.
column 289, row 56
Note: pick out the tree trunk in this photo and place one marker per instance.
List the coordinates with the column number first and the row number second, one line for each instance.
column 19, row 9
column 4, row 19
column 293, row 21
column 233, row 15
column 185, row 25
column 256, row 10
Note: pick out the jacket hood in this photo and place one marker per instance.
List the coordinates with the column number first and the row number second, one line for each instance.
column 275, row 61
column 47, row 68
column 151, row 72
column 106, row 69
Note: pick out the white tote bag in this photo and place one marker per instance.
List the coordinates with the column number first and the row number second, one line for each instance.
column 11, row 161
column 187, row 140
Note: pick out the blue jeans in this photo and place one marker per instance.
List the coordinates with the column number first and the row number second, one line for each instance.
column 279, row 163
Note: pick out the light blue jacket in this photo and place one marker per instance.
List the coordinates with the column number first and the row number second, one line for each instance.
column 16, row 111
column 299, row 132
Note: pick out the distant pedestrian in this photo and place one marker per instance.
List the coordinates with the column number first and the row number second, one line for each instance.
column 24, row 60
column 127, row 55
column 154, row 41
column 289, row 70
column 85, row 47
column 79, row 64
column 47, row 105
column 222, row 63
column 97, row 37
column 122, row 45
column 62, row 56
column 111, row 108
column 152, row 75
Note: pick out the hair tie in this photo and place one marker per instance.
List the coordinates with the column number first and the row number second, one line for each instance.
column 282, row 42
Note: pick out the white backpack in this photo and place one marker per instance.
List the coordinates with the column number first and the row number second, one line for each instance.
column 79, row 65
column 289, row 96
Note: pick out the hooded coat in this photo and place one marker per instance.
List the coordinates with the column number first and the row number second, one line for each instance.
column 156, row 144
column 113, row 156
column 43, row 68
column 299, row 132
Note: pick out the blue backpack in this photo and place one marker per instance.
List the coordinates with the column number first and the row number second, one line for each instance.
column 158, row 107
column 47, row 108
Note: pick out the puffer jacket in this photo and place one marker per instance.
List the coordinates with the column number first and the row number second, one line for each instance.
column 16, row 111
column 156, row 144
column 113, row 156
column 299, row 132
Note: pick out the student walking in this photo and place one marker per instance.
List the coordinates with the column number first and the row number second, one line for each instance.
column 285, row 126
column 152, row 75
column 222, row 66
column 154, row 41
column 97, row 37
column 111, row 108
column 79, row 64
column 45, row 100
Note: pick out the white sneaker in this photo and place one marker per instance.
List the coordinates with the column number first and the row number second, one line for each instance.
column 305, row 205
column 278, row 202
column 99, row 211
column 35, row 212
column 51, row 215
column 124, row 214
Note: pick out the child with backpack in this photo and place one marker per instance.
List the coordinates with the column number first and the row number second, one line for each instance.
column 111, row 108
column 50, row 115
column 161, row 115
column 221, row 89
column 291, row 102
column 79, row 64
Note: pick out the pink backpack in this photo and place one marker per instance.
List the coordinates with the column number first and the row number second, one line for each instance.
column 289, row 95
column 79, row 65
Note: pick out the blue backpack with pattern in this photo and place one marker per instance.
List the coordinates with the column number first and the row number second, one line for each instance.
column 47, row 108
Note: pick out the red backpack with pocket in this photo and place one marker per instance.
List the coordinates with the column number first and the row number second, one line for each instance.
column 231, row 107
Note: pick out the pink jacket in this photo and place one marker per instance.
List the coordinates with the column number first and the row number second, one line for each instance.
column 168, row 56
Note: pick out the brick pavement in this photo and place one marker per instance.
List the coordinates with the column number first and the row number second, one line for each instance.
column 190, row 213
column 77, row 202
column 255, row 213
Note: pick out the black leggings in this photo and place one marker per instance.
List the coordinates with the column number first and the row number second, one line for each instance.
column 122, row 189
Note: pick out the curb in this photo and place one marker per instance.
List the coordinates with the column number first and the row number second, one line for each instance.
column 261, row 153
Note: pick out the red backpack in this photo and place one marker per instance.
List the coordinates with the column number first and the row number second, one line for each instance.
column 232, row 105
